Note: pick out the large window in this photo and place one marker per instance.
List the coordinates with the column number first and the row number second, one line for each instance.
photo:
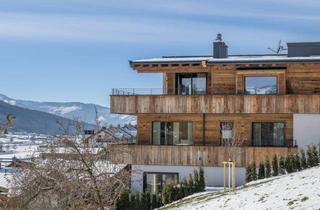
column 154, row 182
column 191, row 84
column 261, row 85
column 268, row 134
column 172, row 133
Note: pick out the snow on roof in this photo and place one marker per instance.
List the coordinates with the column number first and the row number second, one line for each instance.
column 230, row 59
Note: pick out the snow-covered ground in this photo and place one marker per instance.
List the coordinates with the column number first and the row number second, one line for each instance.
column 300, row 190
column 22, row 146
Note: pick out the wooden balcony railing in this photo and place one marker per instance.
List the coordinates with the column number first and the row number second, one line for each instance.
column 194, row 155
column 219, row 104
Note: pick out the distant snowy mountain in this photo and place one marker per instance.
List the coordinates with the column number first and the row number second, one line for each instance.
column 73, row 110
column 32, row 121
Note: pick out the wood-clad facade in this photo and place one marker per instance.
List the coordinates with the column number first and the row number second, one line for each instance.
column 206, row 128
column 297, row 91
column 195, row 155
column 216, row 104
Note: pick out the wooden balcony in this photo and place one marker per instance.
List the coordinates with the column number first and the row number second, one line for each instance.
column 194, row 155
column 217, row 104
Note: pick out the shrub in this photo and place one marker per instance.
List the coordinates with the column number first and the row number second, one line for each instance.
column 135, row 201
column 185, row 188
column 267, row 168
column 254, row 171
column 196, row 181
column 261, row 173
column 312, row 156
column 288, row 164
column 296, row 162
column 166, row 194
column 303, row 160
column 145, row 201
column 249, row 174
column 282, row 165
column 275, row 166
column 123, row 202
column 155, row 201
column 191, row 184
column 202, row 181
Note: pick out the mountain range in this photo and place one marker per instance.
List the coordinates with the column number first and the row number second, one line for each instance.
column 49, row 112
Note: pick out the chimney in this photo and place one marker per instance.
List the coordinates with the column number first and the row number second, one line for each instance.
column 303, row 49
column 220, row 49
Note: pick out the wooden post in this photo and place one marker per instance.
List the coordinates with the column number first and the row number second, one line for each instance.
column 233, row 176
column 232, row 165
column 224, row 175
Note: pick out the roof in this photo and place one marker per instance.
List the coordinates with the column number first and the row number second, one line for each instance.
column 232, row 59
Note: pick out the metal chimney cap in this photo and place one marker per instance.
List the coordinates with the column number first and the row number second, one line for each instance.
column 219, row 37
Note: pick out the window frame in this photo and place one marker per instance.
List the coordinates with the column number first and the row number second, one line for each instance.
column 284, row 134
column 233, row 129
column 152, row 134
column 157, row 173
column 245, row 84
column 191, row 74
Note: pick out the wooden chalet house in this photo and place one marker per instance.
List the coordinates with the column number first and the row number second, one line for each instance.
column 268, row 103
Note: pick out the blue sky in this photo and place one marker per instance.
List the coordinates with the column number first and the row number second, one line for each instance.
column 77, row 50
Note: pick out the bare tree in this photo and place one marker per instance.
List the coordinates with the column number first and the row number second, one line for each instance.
column 73, row 173
column 233, row 148
column 9, row 123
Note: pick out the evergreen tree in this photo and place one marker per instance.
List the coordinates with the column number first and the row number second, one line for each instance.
column 261, row 173
column 288, row 164
column 249, row 174
column 167, row 194
column 309, row 157
column 312, row 156
column 191, row 184
column 135, row 202
column 303, row 159
column 196, row 181
column 268, row 168
column 123, row 203
column 202, row 181
column 185, row 188
column 145, row 201
column 155, row 201
column 296, row 162
column 282, row 166
column 315, row 155
column 254, row 171
column 275, row 166
column 318, row 153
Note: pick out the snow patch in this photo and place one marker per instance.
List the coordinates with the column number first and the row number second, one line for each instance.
column 62, row 109
column 293, row 191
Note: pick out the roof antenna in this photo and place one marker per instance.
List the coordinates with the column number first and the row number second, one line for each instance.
column 279, row 49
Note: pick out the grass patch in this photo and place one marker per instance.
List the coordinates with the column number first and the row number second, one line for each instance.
column 290, row 203
column 304, row 199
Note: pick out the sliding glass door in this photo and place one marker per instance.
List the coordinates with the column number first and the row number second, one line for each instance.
column 268, row 134
column 172, row 133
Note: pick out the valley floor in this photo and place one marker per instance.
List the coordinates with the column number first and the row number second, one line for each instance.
column 300, row 190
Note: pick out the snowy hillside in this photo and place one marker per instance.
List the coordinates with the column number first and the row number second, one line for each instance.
column 73, row 110
column 300, row 190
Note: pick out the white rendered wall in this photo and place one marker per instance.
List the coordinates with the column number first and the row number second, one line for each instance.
column 214, row 175
column 306, row 129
